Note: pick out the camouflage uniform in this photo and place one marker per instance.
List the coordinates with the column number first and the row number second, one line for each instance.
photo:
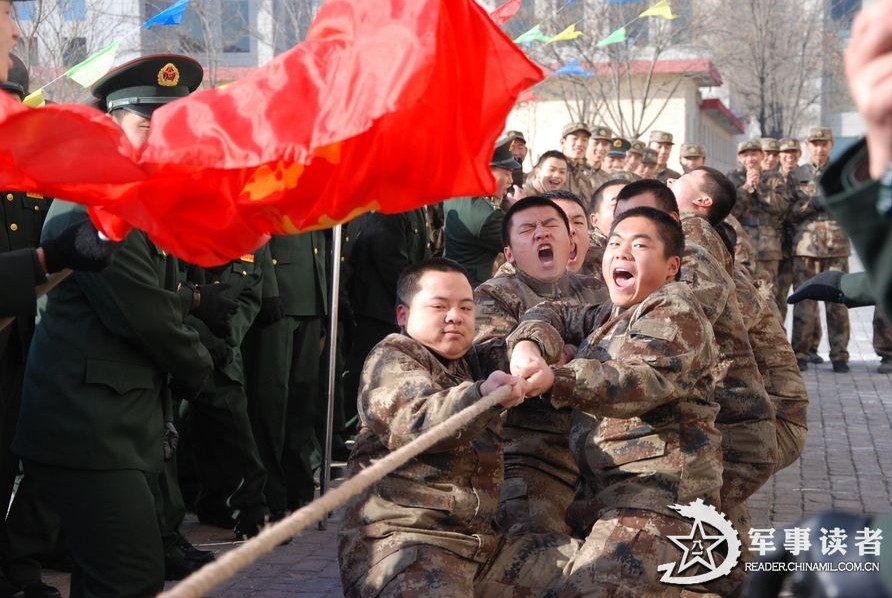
column 583, row 179
column 595, row 255
column 746, row 418
column 540, row 473
column 819, row 245
column 763, row 215
column 426, row 529
column 644, row 434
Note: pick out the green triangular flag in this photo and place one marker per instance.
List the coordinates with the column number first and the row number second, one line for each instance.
column 534, row 34
column 89, row 71
column 614, row 38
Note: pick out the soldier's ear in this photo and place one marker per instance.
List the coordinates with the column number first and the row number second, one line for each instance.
column 509, row 257
column 673, row 266
column 704, row 201
column 402, row 315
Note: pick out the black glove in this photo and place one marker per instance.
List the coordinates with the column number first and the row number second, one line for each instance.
column 221, row 354
column 78, row 247
column 170, row 438
column 214, row 308
column 823, row 287
column 271, row 310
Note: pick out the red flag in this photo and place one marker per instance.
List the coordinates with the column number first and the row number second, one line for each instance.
column 504, row 12
column 385, row 105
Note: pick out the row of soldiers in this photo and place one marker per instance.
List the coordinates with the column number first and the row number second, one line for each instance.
column 582, row 503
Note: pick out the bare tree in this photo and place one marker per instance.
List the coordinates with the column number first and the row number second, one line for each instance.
column 776, row 57
column 626, row 89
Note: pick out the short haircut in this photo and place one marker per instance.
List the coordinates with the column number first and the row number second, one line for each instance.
column 662, row 194
column 598, row 195
column 533, row 201
column 721, row 190
column 407, row 285
column 668, row 228
column 551, row 154
column 565, row 195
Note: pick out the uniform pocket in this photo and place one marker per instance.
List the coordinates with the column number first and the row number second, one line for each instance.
column 120, row 377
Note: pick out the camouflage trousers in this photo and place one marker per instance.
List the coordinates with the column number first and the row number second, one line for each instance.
column 619, row 558
column 782, row 286
column 524, row 566
column 790, row 442
column 882, row 335
column 806, row 318
column 534, row 502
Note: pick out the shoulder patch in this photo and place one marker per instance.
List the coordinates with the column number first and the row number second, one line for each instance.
column 656, row 329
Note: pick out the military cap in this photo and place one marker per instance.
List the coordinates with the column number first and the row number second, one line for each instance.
column 575, row 128
column 692, row 150
column 650, row 156
column 770, row 144
column 502, row 157
column 602, row 132
column 146, row 83
column 619, row 147
column 820, row 134
column 17, row 81
column 637, row 147
column 512, row 135
column 749, row 145
column 789, row 144
column 661, row 137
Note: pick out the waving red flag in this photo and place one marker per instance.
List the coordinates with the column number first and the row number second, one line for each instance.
column 505, row 12
column 386, row 105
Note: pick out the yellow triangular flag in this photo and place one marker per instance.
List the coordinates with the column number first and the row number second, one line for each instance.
column 35, row 99
column 660, row 9
column 566, row 35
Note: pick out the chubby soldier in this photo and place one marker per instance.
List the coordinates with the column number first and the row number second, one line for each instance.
column 641, row 385
column 473, row 224
column 426, row 529
column 661, row 141
column 819, row 245
column 540, row 474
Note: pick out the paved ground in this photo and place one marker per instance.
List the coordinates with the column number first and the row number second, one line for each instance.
column 850, row 429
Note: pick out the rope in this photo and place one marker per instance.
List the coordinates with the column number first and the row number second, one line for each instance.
column 235, row 560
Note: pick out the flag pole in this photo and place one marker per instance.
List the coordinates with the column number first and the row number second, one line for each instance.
column 325, row 477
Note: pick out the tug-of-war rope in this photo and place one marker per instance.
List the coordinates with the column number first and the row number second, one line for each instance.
column 237, row 559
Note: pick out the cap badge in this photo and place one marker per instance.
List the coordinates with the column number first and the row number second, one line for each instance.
column 169, row 75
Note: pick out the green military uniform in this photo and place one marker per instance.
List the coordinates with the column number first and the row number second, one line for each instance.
column 91, row 419
column 819, row 245
column 230, row 472
column 474, row 234
column 20, row 272
column 283, row 362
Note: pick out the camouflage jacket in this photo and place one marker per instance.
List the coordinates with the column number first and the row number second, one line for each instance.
column 816, row 233
column 763, row 212
column 582, row 179
column 594, row 257
column 774, row 355
column 535, row 434
column 445, row 497
column 744, row 250
column 645, row 375
column 746, row 418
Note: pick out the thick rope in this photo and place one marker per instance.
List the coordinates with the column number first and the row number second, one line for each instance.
column 237, row 559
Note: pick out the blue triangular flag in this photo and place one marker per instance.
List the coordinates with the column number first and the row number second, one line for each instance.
column 573, row 68
column 172, row 15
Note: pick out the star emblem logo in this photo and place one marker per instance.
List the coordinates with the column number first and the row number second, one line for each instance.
column 698, row 547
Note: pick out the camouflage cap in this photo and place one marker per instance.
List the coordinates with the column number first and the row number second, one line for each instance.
column 650, row 156
column 749, row 145
column 661, row 137
column 637, row 147
column 602, row 132
column 502, row 156
column 575, row 128
column 619, row 147
column 512, row 135
column 692, row 150
column 770, row 144
column 820, row 134
column 789, row 144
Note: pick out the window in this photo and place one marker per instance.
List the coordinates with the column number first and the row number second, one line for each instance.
column 74, row 50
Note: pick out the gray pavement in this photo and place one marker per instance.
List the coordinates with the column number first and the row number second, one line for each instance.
column 843, row 467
